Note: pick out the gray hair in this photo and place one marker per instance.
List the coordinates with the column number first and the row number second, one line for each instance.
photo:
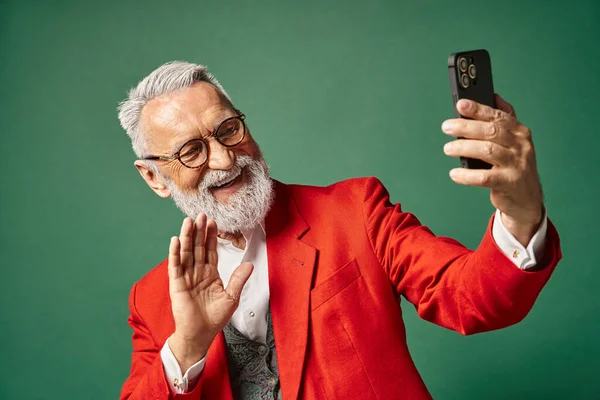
column 168, row 78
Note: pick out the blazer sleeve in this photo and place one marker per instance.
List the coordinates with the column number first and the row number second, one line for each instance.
column 457, row 288
column 147, row 380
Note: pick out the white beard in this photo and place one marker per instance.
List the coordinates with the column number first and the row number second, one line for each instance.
column 244, row 210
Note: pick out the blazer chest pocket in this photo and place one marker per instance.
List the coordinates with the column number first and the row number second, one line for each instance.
column 341, row 279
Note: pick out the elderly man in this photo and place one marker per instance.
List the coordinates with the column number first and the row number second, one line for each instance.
column 286, row 291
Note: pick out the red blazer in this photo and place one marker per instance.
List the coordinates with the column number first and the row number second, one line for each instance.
column 339, row 259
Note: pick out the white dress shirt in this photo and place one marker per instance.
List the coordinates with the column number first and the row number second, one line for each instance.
column 250, row 318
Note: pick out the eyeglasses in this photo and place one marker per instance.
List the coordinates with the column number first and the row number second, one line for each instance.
column 194, row 154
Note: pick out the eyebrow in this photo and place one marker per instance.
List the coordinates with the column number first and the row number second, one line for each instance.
column 221, row 117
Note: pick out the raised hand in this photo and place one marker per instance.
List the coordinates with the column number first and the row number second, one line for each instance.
column 496, row 136
column 201, row 305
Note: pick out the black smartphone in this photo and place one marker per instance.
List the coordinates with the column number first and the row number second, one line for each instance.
column 470, row 75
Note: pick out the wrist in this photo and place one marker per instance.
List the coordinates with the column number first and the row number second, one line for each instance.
column 187, row 352
column 524, row 227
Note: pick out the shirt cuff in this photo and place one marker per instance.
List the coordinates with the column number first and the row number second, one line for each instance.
column 523, row 257
column 179, row 383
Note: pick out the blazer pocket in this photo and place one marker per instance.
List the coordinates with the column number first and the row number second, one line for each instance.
column 341, row 279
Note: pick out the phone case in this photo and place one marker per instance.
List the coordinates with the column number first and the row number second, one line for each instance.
column 479, row 87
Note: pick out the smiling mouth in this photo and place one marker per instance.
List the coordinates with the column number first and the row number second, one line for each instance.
column 226, row 183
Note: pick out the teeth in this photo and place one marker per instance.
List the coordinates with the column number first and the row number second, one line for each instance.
column 217, row 185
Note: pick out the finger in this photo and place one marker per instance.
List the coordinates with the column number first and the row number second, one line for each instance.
column 490, row 178
column 174, row 264
column 186, row 239
column 483, row 150
column 199, row 240
column 211, row 243
column 238, row 280
column 474, row 110
column 494, row 131
column 504, row 105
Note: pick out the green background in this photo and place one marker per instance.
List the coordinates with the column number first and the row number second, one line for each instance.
column 332, row 90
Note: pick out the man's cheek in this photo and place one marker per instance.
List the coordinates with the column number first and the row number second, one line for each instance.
column 192, row 179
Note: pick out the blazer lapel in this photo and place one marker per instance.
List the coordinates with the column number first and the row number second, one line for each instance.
column 291, row 265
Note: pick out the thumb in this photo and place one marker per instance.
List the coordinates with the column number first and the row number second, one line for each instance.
column 238, row 279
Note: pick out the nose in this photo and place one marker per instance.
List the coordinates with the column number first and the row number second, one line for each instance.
column 219, row 156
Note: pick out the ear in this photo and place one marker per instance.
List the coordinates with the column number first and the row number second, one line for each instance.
column 153, row 180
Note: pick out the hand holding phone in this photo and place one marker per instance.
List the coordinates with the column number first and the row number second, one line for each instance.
column 470, row 74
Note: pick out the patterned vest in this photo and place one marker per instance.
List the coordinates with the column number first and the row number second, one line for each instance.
column 252, row 365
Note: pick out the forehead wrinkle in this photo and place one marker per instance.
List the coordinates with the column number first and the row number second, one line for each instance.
column 203, row 105
column 169, row 117
column 194, row 112
column 168, row 121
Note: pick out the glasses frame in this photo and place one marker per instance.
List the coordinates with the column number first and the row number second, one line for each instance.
column 177, row 154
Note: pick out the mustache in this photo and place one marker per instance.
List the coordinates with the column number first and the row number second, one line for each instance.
column 214, row 177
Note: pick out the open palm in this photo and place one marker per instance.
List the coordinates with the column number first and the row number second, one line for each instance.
column 201, row 305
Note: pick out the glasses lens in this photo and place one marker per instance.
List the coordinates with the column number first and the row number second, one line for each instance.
column 231, row 132
column 193, row 153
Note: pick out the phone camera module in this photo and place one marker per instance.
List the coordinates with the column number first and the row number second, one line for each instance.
column 464, row 80
column 472, row 71
column 463, row 64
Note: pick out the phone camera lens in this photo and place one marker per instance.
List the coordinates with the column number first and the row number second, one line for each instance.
column 464, row 81
column 462, row 64
column 472, row 71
